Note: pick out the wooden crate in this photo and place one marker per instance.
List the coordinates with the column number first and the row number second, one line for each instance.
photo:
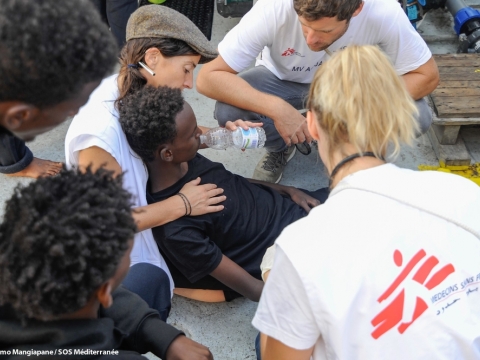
column 456, row 103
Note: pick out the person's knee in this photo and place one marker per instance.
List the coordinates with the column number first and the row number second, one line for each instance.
column 152, row 284
column 424, row 117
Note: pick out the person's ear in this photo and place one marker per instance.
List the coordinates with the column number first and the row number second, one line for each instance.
column 152, row 56
column 166, row 154
column 19, row 114
column 312, row 125
column 359, row 9
column 104, row 294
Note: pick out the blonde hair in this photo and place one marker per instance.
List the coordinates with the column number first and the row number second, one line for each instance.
column 359, row 99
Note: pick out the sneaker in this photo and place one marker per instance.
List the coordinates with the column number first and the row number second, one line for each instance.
column 271, row 166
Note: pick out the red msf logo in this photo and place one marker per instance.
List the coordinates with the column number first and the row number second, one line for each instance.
column 392, row 314
column 288, row 52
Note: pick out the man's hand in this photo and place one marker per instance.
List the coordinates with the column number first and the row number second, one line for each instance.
column 299, row 197
column 182, row 348
column 232, row 125
column 291, row 125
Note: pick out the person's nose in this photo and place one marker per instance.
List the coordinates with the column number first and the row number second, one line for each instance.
column 312, row 37
column 188, row 81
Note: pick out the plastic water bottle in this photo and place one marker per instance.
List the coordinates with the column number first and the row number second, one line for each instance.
column 220, row 138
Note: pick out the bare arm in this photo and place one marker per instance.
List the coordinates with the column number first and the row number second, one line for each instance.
column 423, row 80
column 238, row 279
column 273, row 349
column 203, row 198
column 219, row 81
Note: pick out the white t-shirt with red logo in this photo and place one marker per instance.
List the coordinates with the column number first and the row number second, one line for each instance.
column 272, row 28
column 387, row 268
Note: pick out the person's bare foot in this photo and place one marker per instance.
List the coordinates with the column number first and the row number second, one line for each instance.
column 39, row 167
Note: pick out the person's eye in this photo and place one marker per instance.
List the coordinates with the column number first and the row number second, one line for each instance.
column 187, row 71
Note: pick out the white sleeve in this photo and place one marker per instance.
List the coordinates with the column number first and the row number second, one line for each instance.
column 244, row 42
column 284, row 312
column 402, row 43
column 83, row 142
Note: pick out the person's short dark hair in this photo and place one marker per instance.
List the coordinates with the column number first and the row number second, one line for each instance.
column 313, row 10
column 61, row 238
column 50, row 49
column 148, row 118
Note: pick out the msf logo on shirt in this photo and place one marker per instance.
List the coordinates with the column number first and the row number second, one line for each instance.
column 290, row 52
column 409, row 303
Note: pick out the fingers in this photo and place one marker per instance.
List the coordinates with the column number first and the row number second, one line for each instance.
column 305, row 206
column 253, row 124
column 216, row 200
column 241, row 123
column 196, row 182
column 214, row 208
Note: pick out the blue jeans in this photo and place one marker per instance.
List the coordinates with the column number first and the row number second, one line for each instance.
column 257, row 347
column 152, row 284
column 262, row 79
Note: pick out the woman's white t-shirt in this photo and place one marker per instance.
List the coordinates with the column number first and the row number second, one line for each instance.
column 97, row 124
column 387, row 268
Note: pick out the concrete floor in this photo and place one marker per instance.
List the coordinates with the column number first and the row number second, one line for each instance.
column 225, row 328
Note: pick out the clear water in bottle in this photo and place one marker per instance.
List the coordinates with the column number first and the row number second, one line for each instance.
column 221, row 138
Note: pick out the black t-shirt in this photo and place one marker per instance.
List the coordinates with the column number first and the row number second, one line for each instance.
column 253, row 217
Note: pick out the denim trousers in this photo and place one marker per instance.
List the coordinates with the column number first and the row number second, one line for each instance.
column 152, row 284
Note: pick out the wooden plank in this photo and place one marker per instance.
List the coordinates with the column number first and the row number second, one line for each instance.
column 459, row 92
column 456, row 121
column 450, row 155
column 457, row 107
column 470, row 62
column 458, row 84
column 467, row 72
column 446, row 135
column 471, row 76
column 454, row 56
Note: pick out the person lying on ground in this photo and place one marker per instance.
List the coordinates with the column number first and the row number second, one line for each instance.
column 64, row 250
column 219, row 251
column 163, row 48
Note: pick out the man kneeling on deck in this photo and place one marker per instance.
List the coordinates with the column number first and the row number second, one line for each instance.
column 212, row 257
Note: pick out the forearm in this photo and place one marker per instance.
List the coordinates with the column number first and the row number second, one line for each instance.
column 159, row 213
column 143, row 326
column 236, row 278
column 422, row 81
column 232, row 89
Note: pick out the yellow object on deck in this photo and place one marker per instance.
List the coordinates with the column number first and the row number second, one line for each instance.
column 471, row 172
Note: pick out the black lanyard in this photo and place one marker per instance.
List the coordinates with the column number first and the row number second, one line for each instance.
column 346, row 160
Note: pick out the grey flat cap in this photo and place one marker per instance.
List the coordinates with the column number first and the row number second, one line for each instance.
column 159, row 21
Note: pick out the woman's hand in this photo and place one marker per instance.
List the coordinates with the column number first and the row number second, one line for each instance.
column 232, row 125
column 203, row 199
column 299, row 197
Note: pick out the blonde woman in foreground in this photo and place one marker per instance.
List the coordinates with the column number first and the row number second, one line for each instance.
column 388, row 267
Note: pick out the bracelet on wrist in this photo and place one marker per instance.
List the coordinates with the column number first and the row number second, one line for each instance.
column 188, row 206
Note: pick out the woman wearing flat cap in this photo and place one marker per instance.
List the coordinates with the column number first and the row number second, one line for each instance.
column 163, row 48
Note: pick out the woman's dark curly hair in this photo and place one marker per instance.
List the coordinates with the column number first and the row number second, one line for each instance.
column 148, row 117
column 62, row 237
column 50, row 49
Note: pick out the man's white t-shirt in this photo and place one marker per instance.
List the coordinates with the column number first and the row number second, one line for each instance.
column 272, row 28
column 387, row 268
column 97, row 124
